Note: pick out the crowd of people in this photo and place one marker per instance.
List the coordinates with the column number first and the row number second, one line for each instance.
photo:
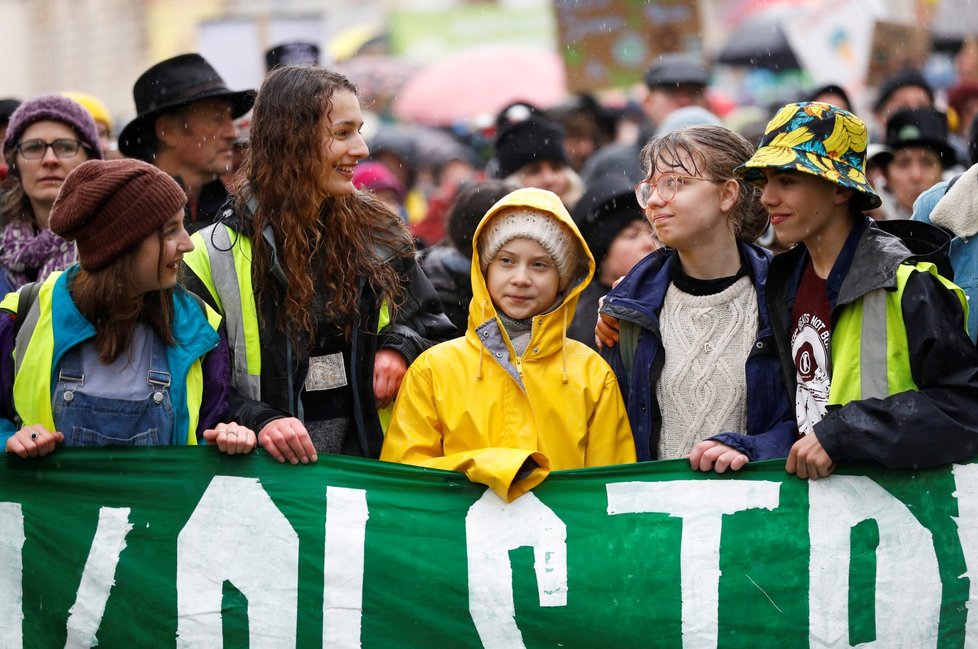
column 596, row 287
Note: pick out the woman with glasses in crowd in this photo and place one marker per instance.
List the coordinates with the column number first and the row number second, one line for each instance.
column 47, row 137
column 687, row 331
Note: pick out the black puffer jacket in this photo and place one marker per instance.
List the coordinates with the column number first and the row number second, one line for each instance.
column 418, row 323
column 450, row 273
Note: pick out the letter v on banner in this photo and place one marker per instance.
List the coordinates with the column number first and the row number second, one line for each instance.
column 701, row 505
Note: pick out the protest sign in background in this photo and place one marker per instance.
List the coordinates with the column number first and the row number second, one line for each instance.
column 186, row 547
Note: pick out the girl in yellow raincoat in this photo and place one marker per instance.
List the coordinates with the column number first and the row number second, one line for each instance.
column 515, row 398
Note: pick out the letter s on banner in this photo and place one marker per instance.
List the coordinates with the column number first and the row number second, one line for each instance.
column 492, row 529
column 237, row 534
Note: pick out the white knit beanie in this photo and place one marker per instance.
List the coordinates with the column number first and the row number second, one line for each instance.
column 525, row 223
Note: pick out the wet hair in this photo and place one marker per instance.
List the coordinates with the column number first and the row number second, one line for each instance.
column 333, row 242
column 713, row 152
column 101, row 297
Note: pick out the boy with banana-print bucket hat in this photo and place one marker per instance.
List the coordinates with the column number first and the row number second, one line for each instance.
column 873, row 343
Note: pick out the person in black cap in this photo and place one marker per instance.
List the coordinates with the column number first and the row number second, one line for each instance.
column 674, row 81
column 831, row 93
column 914, row 159
column 531, row 153
column 619, row 236
column 185, row 126
column 292, row 53
column 906, row 89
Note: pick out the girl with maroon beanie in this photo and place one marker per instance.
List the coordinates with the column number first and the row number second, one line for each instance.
column 113, row 351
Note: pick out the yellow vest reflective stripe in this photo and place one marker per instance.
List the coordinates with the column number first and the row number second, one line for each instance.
column 228, row 279
column 870, row 357
column 34, row 363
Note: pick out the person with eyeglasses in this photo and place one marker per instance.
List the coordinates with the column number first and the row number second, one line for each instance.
column 687, row 331
column 47, row 137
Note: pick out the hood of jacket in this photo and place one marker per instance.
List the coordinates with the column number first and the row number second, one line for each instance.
column 550, row 327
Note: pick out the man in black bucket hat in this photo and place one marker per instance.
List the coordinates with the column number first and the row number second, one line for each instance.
column 184, row 125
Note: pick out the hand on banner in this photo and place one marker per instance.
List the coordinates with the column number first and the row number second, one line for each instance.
column 389, row 369
column 231, row 438
column 287, row 439
column 33, row 441
column 808, row 459
column 709, row 454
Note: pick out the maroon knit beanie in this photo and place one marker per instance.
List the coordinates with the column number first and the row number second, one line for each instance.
column 109, row 206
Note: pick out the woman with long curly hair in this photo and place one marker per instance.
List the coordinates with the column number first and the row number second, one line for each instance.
column 324, row 304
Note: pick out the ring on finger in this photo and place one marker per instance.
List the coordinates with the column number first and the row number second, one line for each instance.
column 33, row 436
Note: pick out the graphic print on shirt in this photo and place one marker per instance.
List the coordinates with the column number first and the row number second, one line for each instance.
column 810, row 344
column 809, row 348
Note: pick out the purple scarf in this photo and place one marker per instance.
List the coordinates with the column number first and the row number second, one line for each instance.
column 24, row 250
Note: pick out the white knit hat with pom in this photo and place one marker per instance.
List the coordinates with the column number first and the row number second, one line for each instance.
column 525, row 223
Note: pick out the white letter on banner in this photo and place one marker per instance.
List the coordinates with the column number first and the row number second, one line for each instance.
column 237, row 534
column 701, row 505
column 346, row 532
column 98, row 577
column 11, row 576
column 492, row 529
column 908, row 582
column 966, row 492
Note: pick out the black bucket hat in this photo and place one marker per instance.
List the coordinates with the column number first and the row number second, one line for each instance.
column 169, row 85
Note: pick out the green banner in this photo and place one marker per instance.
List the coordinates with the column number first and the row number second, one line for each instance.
column 186, row 547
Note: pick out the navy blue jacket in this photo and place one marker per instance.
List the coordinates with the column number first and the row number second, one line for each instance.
column 771, row 427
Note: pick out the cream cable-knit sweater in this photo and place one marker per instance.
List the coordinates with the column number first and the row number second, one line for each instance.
column 702, row 390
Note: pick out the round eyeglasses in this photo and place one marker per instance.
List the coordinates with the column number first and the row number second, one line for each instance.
column 667, row 186
column 35, row 149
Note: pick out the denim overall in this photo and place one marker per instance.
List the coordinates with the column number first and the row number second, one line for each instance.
column 87, row 420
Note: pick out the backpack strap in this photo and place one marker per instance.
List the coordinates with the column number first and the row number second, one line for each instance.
column 25, row 299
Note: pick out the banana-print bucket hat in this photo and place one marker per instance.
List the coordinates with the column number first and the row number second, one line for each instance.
column 818, row 139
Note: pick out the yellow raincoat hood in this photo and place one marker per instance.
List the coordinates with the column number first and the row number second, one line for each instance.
column 506, row 421
column 550, row 328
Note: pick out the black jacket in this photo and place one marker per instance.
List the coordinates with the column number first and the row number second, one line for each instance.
column 418, row 323
column 937, row 424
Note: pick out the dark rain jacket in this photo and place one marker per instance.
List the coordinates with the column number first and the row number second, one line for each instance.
column 935, row 425
column 418, row 323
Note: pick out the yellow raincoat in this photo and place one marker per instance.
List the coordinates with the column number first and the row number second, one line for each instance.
column 464, row 405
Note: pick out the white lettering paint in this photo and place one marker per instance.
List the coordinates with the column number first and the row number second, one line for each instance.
column 237, row 534
column 492, row 529
column 701, row 505
column 98, row 577
column 908, row 582
column 346, row 530
column 966, row 493
column 11, row 576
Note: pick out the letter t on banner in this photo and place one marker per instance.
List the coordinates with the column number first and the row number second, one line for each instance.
column 701, row 505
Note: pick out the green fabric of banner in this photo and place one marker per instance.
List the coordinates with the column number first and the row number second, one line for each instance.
column 187, row 547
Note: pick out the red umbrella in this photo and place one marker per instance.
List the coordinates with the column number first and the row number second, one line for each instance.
column 480, row 82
